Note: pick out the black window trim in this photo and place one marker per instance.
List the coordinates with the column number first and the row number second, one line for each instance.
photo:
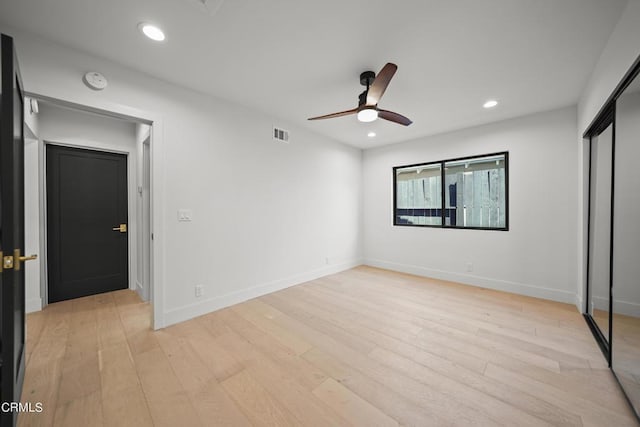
column 442, row 181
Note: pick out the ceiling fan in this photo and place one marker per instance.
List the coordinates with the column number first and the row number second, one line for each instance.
column 368, row 110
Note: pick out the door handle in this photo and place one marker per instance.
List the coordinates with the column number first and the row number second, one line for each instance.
column 18, row 259
column 121, row 228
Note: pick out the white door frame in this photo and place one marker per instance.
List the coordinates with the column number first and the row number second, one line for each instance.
column 157, row 253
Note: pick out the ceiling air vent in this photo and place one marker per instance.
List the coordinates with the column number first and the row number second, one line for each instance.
column 280, row 134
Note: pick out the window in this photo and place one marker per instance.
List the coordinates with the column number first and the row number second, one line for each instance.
column 419, row 195
column 474, row 194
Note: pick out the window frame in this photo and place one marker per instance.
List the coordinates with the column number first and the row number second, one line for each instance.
column 442, row 190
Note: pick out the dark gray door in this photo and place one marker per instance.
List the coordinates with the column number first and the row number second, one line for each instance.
column 87, row 245
column 11, row 231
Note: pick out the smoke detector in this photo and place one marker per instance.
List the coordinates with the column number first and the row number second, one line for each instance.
column 95, row 80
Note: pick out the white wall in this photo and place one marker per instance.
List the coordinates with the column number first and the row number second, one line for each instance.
column 33, row 300
column 142, row 284
column 78, row 128
column 32, row 241
column 536, row 257
column 621, row 51
column 266, row 215
column 31, row 125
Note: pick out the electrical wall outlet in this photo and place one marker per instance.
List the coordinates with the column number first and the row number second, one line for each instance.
column 469, row 266
column 199, row 290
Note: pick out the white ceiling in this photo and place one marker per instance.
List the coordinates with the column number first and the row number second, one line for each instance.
column 300, row 58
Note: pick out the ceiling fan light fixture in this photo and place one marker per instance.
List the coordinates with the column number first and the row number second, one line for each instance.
column 367, row 115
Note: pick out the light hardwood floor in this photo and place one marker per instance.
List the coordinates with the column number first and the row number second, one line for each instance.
column 364, row 347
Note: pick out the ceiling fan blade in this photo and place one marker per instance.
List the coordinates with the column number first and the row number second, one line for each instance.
column 394, row 117
column 330, row 116
column 380, row 83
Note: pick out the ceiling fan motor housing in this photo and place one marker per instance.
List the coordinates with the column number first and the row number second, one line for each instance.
column 367, row 78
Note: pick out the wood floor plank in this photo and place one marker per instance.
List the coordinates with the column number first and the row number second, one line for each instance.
column 293, row 341
column 444, row 338
column 168, row 402
column 430, row 321
column 432, row 399
column 350, row 406
column 33, row 330
column 109, row 327
column 128, row 408
column 361, row 347
column 191, row 371
column 325, row 324
column 265, row 349
column 256, row 402
column 213, row 404
column 84, row 411
column 376, row 332
column 117, row 370
column 79, row 378
column 281, row 379
column 41, row 384
column 592, row 414
column 492, row 404
column 375, row 391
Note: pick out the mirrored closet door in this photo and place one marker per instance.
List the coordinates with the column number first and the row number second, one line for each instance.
column 625, row 320
column 612, row 306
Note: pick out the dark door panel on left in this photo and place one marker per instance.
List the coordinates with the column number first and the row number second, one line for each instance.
column 87, row 245
column 12, row 339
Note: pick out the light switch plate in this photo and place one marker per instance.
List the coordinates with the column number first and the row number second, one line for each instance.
column 185, row 215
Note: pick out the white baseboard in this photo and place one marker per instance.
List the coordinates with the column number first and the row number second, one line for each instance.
column 137, row 286
column 626, row 308
column 600, row 303
column 190, row 311
column 33, row 304
column 484, row 282
column 620, row 307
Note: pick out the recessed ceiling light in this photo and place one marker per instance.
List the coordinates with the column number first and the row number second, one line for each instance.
column 490, row 104
column 151, row 31
column 371, row 134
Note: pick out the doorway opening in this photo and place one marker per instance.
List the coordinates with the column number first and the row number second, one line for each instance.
column 104, row 136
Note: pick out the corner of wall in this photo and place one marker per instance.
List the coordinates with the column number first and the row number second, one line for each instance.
column 33, row 305
column 476, row 280
column 200, row 308
column 618, row 55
